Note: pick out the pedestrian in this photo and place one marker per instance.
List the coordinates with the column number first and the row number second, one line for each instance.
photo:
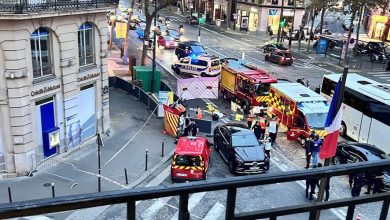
column 257, row 130
column 263, row 124
column 249, row 119
column 268, row 29
column 311, row 183
column 199, row 114
column 267, row 146
column 308, row 148
column 187, row 126
column 224, row 16
column 327, row 188
column 357, row 184
column 272, row 129
column 316, row 146
column 194, row 129
column 378, row 182
column 370, row 179
column 182, row 122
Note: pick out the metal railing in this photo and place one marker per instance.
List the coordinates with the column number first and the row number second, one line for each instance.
column 129, row 197
column 22, row 6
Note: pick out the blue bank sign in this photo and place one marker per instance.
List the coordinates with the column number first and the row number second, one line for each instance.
column 322, row 45
column 272, row 12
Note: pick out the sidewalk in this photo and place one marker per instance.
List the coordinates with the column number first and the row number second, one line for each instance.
column 127, row 116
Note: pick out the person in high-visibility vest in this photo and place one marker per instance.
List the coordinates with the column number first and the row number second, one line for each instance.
column 199, row 114
column 249, row 119
column 263, row 125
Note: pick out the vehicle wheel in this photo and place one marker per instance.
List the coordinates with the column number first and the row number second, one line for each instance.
column 245, row 106
column 177, row 70
column 336, row 160
column 343, row 130
column 225, row 96
column 231, row 168
column 303, row 142
column 203, row 74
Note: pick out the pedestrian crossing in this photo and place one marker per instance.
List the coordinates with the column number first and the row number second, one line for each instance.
column 383, row 77
column 310, row 64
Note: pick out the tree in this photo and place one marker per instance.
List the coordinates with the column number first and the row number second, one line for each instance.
column 149, row 15
column 354, row 6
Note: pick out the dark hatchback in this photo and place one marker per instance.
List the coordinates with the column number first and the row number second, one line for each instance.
column 280, row 57
column 273, row 46
column 351, row 152
column 240, row 149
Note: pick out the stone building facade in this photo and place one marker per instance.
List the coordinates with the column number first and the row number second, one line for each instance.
column 53, row 83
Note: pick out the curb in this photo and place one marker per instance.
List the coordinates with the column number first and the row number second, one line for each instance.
column 95, row 212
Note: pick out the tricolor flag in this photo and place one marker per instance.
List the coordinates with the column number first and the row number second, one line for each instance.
column 332, row 126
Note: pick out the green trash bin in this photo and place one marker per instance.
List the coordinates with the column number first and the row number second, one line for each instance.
column 144, row 74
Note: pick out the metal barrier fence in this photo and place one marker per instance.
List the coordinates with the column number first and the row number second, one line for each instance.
column 21, row 6
column 129, row 197
column 137, row 92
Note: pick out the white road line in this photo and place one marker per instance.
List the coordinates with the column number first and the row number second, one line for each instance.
column 154, row 208
column 215, row 212
column 192, row 203
column 160, row 178
column 382, row 75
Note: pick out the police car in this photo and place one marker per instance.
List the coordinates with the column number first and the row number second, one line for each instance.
column 203, row 65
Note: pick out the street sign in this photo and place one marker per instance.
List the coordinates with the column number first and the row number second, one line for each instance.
column 272, row 12
column 244, row 23
column 322, row 46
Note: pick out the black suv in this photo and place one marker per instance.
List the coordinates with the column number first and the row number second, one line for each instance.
column 268, row 48
column 189, row 48
column 240, row 149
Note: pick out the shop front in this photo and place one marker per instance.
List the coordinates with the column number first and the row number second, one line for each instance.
column 248, row 18
column 379, row 28
column 219, row 9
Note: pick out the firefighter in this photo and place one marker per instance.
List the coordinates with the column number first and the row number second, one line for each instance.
column 249, row 119
column 199, row 114
column 262, row 123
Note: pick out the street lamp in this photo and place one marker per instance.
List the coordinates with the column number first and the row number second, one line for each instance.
column 112, row 19
column 126, row 56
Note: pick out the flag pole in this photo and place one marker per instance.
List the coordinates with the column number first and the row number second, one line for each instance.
column 327, row 160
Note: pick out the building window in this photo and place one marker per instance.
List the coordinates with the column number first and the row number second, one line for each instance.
column 40, row 52
column 86, row 55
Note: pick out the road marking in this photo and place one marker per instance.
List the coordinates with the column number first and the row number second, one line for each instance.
column 215, row 212
column 192, row 203
column 160, row 178
column 155, row 207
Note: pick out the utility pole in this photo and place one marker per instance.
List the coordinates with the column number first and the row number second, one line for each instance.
column 280, row 20
column 327, row 160
column 199, row 26
column 292, row 28
column 100, row 144
column 154, row 47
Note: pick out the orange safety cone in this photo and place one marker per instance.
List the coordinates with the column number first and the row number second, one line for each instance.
column 358, row 217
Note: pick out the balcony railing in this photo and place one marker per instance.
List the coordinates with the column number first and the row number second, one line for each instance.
column 129, row 197
column 23, row 6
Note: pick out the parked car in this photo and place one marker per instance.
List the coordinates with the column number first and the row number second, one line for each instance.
column 351, row 152
column 189, row 48
column 192, row 20
column 167, row 42
column 273, row 46
column 280, row 57
column 240, row 149
column 191, row 159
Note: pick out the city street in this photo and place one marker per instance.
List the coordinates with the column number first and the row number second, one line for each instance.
column 287, row 155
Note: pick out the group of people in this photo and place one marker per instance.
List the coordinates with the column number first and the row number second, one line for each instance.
column 372, row 180
column 312, row 183
column 313, row 147
column 261, row 127
column 187, row 126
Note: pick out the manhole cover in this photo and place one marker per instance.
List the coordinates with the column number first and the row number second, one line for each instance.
column 47, row 184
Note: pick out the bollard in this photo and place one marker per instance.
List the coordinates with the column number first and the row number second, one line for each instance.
column 243, row 56
column 146, row 160
column 162, row 149
column 9, row 194
column 52, row 190
column 127, row 180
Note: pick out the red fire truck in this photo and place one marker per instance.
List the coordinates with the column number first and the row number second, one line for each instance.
column 245, row 84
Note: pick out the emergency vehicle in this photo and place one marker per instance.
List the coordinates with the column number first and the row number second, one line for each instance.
column 203, row 65
column 191, row 159
column 299, row 109
column 245, row 84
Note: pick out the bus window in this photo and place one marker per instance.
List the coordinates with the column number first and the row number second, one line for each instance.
column 328, row 86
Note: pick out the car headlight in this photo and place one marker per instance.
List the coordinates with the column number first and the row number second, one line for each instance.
column 239, row 161
column 176, row 44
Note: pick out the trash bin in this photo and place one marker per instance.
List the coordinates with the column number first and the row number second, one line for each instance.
column 218, row 22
